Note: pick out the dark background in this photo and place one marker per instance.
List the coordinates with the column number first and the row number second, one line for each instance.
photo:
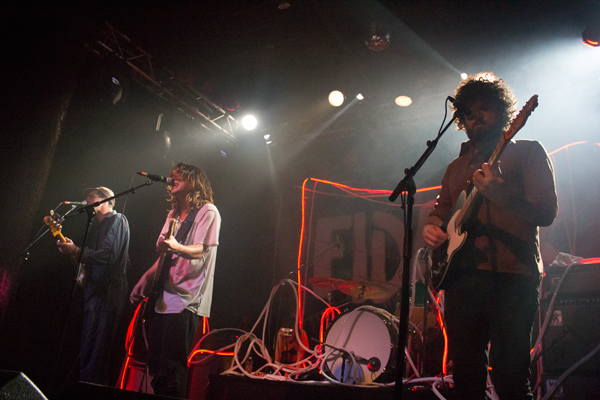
column 281, row 65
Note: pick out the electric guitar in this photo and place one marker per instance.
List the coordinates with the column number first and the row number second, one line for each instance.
column 55, row 224
column 457, row 235
column 160, row 277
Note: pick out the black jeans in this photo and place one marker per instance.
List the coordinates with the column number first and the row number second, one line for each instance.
column 483, row 308
column 170, row 339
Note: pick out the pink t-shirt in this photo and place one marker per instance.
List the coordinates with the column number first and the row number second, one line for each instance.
column 190, row 284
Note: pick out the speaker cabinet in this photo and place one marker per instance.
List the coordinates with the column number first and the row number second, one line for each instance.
column 571, row 335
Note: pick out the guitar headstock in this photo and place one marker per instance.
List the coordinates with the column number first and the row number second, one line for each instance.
column 521, row 118
column 54, row 222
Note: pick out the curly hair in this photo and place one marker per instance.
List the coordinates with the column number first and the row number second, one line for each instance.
column 487, row 88
column 201, row 193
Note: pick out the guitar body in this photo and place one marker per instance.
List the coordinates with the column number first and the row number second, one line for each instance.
column 456, row 240
column 160, row 277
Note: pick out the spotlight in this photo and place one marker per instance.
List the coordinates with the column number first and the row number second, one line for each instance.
column 591, row 36
column 360, row 97
column 249, row 122
column 403, row 101
column 464, row 76
column 336, row 98
column 267, row 136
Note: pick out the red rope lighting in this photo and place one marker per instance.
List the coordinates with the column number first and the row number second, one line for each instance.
column 445, row 358
column 590, row 261
column 129, row 339
column 206, row 351
column 566, row 147
column 324, row 320
column 300, row 257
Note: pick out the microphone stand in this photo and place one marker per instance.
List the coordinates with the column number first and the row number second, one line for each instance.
column 407, row 185
column 91, row 213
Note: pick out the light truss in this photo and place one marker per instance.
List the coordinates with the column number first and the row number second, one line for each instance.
column 185, row 98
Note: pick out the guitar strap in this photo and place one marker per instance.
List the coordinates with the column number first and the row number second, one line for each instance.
column 185, row 227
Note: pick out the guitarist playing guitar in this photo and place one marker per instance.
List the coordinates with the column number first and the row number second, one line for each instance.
column 185, row 293
column 492, row 270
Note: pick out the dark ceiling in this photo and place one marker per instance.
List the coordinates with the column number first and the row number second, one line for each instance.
column 252, row 56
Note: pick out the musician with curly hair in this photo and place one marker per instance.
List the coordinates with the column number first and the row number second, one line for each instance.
column 185, row 295
column 492, row 278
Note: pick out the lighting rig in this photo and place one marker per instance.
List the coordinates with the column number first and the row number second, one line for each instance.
column 186, row 99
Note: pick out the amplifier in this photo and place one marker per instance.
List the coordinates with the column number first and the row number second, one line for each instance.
column 571, row 334
column 583, row 280
column 575, row 386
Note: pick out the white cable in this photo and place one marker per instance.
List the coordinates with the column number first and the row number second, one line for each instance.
column 548, row 316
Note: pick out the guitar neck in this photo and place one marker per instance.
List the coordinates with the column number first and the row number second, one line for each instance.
column 474, row 195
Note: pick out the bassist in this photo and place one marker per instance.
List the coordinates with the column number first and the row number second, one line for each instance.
column 492, row 283
column 186, row 293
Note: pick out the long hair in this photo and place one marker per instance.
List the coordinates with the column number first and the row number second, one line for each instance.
column 485, row 87
column 201, row 193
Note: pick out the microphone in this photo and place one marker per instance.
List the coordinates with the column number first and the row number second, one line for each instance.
column 460, row 108
column 157, row 178
column 76, row 203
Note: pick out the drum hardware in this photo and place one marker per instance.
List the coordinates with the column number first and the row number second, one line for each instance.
column 364, row 290
column 328, row 283
column 324, row 282
column 373, row 364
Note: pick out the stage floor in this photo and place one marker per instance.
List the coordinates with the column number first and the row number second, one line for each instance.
column 228, row 387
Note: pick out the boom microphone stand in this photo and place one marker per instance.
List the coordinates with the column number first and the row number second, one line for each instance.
column 407, row 186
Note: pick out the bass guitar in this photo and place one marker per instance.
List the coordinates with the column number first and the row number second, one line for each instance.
column 470, row 203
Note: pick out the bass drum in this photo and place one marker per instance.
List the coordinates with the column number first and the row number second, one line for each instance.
column 369, row 334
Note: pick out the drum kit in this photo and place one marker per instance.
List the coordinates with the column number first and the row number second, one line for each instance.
column 361, row 346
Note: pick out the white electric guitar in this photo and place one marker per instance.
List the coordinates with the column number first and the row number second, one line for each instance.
column 457, row 235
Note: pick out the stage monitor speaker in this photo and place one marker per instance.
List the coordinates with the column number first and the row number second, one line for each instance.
column 17, row 386
column 571, row 335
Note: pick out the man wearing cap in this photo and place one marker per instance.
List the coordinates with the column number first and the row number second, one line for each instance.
column 105, row 259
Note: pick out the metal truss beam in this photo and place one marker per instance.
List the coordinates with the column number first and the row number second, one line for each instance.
column 188, row 100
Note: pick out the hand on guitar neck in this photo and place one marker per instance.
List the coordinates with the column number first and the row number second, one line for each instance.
column 65, row 245
column 488, row 180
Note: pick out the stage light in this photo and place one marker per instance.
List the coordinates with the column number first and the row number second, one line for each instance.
column 283, row 5
column 360, row 97
column 591, row 36
column 267, row 136
column 336, row 98
column 403, row 101
column 249, row 122
column 378, row 37
column 464, row 76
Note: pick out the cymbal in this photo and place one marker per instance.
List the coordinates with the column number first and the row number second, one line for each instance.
column 325, row 282
column 364, row 289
